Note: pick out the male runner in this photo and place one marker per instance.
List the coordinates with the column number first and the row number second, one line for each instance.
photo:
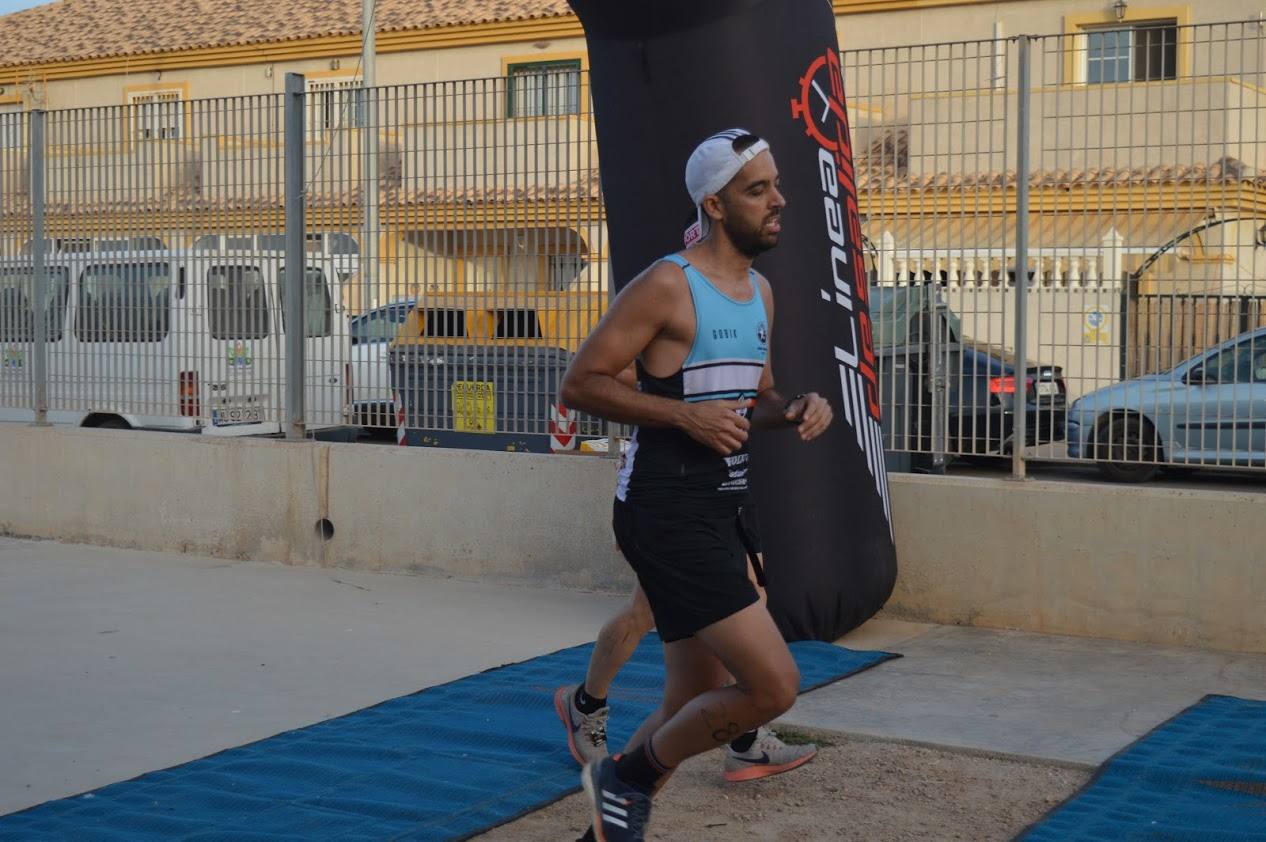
column 697, row 325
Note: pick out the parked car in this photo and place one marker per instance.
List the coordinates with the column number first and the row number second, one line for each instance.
column 982, row 401
column 981, row 386
column 371, row 332
column 1207, row 410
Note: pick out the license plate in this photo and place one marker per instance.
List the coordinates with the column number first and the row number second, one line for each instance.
column 474, row 406
column 227, row 416
column 1047, row 389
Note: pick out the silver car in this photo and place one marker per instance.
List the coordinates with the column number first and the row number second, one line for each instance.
column 1208, row 410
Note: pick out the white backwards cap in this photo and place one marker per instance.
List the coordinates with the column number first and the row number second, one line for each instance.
column 712, row 165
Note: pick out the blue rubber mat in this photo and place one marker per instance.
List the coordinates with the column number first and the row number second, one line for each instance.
column 444, row 763
column 1200, row 777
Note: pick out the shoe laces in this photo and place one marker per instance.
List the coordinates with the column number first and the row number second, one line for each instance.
column 594, row 729
column 767, row 738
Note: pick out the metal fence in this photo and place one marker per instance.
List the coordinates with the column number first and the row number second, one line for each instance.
column 452, row 244
column 1119, row 167
column 450, row 237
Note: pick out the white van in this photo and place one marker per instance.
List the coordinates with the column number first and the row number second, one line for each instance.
column 173, row 340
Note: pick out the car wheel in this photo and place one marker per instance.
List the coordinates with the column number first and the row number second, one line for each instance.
column 1129, row 445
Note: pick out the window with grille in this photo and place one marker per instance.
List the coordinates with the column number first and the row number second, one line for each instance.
column 157, row 115
column 335, row 103
column 12, row 126
column 1143, row 52
column 543, row 89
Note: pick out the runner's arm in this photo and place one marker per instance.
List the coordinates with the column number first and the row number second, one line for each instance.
column 597, row 380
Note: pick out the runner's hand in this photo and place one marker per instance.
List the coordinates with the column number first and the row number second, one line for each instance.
column 718, row 424
column 812, row 414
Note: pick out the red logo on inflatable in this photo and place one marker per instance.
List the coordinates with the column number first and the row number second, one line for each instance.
column 821, row 108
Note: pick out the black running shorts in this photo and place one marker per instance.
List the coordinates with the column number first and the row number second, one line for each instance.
column 692, row 566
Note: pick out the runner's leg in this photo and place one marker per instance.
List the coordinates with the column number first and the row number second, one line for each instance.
column 616, row 642
column 750, row 647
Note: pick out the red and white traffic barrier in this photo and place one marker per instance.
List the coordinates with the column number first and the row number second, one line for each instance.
column 562, row 427
column 395, row 397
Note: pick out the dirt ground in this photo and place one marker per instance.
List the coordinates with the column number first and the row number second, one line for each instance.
column 856, row 789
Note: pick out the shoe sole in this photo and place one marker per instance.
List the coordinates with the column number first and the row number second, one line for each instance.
column 560, row 707
column 752, row 773
column 586, row 780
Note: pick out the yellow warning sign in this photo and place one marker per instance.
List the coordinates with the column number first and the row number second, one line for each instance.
column 474, row 406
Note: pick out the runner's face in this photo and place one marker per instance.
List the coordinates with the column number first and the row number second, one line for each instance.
column 752, row 207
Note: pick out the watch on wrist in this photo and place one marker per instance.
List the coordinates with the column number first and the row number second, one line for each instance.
column 787, row 407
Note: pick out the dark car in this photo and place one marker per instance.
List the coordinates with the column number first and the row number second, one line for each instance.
column 984, row 394
column 981, row 390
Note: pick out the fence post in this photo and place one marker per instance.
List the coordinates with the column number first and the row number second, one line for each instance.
column 1125, row 322
column 1114, row 271
column 369, row 157
column 1019, row 426
column 938, row 351
column 39, row 274
column 296, row 259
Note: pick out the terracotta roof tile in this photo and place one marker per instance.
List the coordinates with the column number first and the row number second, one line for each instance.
column 81, row 29
column 587, row 189
column 1226, row 171
column 884, row 166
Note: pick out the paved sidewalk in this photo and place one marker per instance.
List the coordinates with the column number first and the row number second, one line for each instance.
column 1070, row 699
column 116, row 663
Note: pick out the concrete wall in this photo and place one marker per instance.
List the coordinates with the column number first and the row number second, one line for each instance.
column 518, row 517
column 1134, row 563
column 1149, row 564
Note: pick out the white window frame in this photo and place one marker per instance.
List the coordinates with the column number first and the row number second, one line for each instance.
column 157, row 115
column 1129, row 30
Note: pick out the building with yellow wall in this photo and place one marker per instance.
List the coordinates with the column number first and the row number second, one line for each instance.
column 164, row 121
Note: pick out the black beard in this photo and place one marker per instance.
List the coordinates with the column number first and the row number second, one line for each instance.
column 750, row 244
